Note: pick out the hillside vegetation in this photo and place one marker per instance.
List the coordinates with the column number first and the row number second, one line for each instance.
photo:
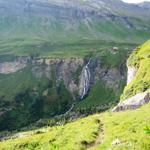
column 140, row 59
column 52, row 28
column 93, row 132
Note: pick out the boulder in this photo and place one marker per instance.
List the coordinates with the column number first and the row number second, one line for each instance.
column 134, row 102
column 116, row 142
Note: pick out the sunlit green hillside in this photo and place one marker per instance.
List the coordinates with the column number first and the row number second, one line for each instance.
column 140, row 59
column 94, row 132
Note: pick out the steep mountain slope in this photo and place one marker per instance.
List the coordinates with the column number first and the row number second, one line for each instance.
column 39, row 27
column 145, row 5
column 116, row 131
column 137, row 91
column 139, row 72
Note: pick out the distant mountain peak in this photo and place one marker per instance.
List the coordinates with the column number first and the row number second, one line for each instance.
column 145, row 4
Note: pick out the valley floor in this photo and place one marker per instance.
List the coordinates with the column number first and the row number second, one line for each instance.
column 105, row 131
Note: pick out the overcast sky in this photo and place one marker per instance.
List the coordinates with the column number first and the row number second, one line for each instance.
column 135, row 1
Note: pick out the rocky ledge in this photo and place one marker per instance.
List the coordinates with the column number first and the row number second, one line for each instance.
column 14, row 66
column 78, row 74
column 134, row 102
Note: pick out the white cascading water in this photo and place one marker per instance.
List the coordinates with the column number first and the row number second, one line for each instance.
column 85, row 81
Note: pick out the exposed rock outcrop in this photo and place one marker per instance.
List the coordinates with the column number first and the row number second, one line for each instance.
column 90, row 71
column 77, row 74
column 14, row 66
column 111, row 77
column 131, row 73
column 134, row 102
column 63, row 70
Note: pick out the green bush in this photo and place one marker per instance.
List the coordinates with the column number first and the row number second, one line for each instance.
column 147, row 130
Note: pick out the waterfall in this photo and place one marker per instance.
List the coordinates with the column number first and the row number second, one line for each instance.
column 85, row 81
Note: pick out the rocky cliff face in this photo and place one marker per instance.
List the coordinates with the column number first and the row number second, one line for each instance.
column 78, row 8
column 77, row 74
column 64, row 69
column 46, row 87
column 14, row 66
column 66, row 20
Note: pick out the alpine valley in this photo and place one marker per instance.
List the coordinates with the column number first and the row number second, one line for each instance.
column 74, row 75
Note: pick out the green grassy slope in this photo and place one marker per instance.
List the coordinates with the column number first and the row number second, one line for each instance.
column 73, row 135
column 87, row 133
column 46, row 48
column 41, row 36
column 140, row 59
column 129, row 127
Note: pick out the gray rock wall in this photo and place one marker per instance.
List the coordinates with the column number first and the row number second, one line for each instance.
column 134, row 102
column 68, row 71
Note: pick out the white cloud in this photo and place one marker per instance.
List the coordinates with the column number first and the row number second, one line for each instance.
column 135, row 1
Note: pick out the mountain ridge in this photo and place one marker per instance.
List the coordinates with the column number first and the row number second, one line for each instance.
column 71, row 22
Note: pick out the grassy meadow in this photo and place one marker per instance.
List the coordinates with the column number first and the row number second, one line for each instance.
column 96, row 132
